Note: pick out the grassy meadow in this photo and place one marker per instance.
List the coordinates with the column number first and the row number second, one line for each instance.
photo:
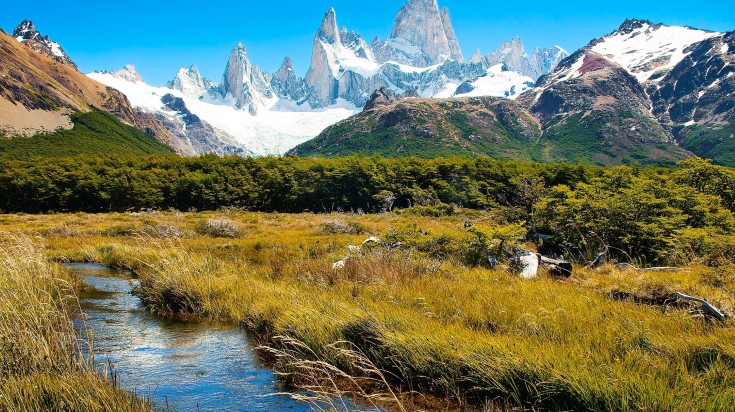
column 423, row 325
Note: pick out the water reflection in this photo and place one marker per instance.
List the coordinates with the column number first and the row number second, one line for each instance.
column 186, row 365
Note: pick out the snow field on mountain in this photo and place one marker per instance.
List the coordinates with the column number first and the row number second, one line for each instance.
column 270, row 132
column 497, row 82
column 649, row 49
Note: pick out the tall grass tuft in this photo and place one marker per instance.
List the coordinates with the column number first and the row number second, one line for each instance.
column 42, row 357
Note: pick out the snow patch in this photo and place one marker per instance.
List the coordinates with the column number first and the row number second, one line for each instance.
column 690, row 123
column 650, row 49
column 574, row 71
column 56, row 49
column 724, row 48
column 499, row 83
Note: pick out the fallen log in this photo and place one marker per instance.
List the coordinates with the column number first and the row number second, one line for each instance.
column 711, row 310
column 557, row 267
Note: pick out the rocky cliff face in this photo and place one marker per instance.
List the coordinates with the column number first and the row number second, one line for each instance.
column 695, row 100
column 244, row 82
column 323, row 72
column 422, row 36
column 27, row 34
column 288, row 86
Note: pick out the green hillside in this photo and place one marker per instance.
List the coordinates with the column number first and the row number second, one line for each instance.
column 95, row 132
column 432, row 128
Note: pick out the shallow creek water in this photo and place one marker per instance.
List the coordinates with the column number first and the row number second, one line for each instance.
column 182, row 366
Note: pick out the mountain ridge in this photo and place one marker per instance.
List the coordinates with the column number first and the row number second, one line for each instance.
column 645, row 92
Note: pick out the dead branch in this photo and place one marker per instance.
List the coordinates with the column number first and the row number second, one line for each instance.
column 713, row 311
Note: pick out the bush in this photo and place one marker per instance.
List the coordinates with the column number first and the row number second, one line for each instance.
column 439, row 210
column 223, row 228
column 341, row 227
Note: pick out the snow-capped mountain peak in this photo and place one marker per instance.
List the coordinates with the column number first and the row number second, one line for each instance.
column 191, row 83
column 26, row 30
column 476, row 58
column 244, row 83
column 26, row 33
column 129, row 74
column 512, row 55
column 328, row 31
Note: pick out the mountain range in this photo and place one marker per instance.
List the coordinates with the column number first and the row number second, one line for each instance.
column 645, row 93
column 250, row 111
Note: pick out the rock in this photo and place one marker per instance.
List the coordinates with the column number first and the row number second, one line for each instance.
column 525, row 264
column 381, row 97
column 339, row 264
column 422, row 36
column 372, row 240
column 464, row 88
column 244, row 82
column 27, row 34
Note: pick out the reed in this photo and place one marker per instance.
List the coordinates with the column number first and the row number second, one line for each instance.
column 44, row 362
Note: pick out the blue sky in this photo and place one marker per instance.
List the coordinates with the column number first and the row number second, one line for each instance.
column 158, row 37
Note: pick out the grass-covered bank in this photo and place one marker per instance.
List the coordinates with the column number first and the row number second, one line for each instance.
column 423, row 313
column 42, row 367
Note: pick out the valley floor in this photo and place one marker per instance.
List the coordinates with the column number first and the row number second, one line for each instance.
column 394, row 323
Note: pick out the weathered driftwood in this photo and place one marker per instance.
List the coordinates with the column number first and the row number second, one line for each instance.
column 527, row 264
column 713, row 311
column 599, row 260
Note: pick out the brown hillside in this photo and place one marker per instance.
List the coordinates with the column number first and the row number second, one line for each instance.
column 31, row 83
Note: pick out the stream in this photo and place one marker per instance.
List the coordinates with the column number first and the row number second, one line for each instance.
column 181, row 366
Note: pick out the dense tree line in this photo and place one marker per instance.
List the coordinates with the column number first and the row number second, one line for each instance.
column 282, row 184
column 649, row 213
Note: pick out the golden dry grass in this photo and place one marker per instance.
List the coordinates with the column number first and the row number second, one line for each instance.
column 42, row 362
column 429, row 325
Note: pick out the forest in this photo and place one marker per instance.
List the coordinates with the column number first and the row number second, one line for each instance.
column 653, row 214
